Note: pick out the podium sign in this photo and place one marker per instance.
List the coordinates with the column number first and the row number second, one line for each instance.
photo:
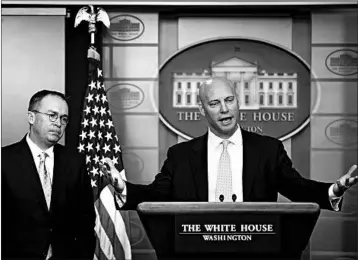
column 229, row 233
column 228, row 230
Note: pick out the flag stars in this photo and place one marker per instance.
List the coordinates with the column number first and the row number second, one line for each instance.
column 91, row 135
column 92, row 85
column 100, row 136
column 99, row 84
column 81, row 148
column 88, row 159
column 99, row 73
column 109, row 123
column 106, row 148
column 96, row 158
column 85, row 123
column 89, row 147
column 103, row 111
column 94, row 171
column 95, row 110
column 104, row 98
column 117, row 148
column 83, row 135
column 93, row 122
column 98, row 139
column 98, row 147
column 108, row 136
column 115, row 160
column 87, row 110
column 103, row 160
column 101, row 123
column 93, row 183
column 89, row 97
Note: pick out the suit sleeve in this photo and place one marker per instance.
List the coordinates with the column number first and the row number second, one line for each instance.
column 86, row 214
column 158, row 190
column 298, row 189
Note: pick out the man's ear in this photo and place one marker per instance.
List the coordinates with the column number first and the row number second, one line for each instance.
column 31, row 117
column 201, row 109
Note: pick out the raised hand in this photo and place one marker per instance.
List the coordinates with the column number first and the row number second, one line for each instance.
column 345, row 182
column 112, row 174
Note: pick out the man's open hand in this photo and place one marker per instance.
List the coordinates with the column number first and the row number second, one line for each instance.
column 112, row 174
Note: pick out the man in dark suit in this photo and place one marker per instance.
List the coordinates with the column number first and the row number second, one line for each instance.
column 47, row 202
column 228, row 164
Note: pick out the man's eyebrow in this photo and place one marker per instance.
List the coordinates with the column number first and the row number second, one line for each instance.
column 55, row 112
column 52, row 111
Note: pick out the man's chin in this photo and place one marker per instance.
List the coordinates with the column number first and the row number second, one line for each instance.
column 53, row 139
column 229, row 126
column 228, row 130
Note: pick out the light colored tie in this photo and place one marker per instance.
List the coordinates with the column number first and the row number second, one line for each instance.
column 46, row 186
column 224, row 179
column 45, row 178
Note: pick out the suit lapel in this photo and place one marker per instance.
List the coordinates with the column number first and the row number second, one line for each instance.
column 30, row 174
column 250, row 164
column 58, row 174
column 199, row 164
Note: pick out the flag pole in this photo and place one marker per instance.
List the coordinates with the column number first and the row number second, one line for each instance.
column 88, row 14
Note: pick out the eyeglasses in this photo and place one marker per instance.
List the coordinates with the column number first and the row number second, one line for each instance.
column 54, row 116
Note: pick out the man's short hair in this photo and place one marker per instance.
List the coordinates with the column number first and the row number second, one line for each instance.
column 38, row 96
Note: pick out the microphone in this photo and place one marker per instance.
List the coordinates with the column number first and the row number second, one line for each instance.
column 221, row 198
column 234, row 197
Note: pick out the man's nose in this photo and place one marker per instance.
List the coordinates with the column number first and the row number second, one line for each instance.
column 224, row 108
column 58, row 122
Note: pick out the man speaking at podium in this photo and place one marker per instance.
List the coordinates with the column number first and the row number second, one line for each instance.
column 228, row 164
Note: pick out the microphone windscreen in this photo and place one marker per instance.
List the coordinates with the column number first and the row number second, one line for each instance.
column 221, row 198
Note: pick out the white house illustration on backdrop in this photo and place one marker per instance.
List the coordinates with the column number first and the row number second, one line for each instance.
column 256, row 88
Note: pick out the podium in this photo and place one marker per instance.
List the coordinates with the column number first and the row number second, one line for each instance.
column 210, row 230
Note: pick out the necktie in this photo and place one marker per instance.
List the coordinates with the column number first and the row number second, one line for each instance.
column 45, row 178
column 46, row 186
column 224, row 179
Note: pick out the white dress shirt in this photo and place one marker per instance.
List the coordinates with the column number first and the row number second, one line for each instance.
column 36, row 151
column 235, row 151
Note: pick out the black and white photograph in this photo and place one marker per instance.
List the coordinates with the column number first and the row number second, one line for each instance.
column 169, row 130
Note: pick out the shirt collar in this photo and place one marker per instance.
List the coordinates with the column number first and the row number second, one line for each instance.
column 215, row 141
column 35, row 150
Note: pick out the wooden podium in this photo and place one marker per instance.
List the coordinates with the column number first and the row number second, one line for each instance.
column 202, row 230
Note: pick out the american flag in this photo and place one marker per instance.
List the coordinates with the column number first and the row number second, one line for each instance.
column 98, row 140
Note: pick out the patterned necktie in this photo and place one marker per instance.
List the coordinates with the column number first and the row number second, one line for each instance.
column 224, row 179
column 45, row 178
column 47, row 188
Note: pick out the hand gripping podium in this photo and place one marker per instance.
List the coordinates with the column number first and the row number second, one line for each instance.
column 210, row 230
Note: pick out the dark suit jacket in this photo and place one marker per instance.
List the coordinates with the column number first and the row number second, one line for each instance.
column 28, row 227
column 267, row 170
